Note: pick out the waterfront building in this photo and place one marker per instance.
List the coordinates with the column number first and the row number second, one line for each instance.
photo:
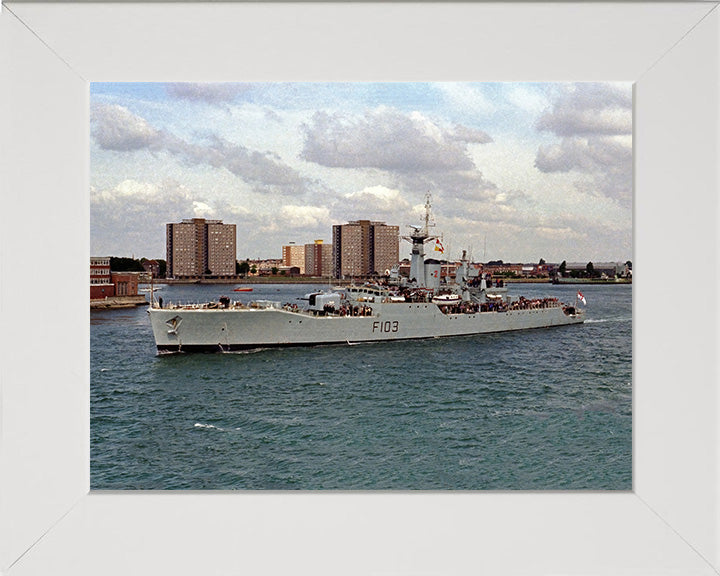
column 319, row 259
column 221, row 248
column 294, row 255
column 125, row 283
column 100, row 278
column 289, row 271
column 265, row 267
column 499, row 268
column 364, row 248
column 386, row 248
column 105, row 283
column 199, row 247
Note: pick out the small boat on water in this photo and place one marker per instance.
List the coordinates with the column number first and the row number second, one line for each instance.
column 242, row 289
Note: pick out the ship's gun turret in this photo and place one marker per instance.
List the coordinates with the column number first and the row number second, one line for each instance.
column 323, row 301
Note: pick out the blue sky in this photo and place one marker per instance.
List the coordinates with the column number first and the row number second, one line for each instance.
column 527, row 170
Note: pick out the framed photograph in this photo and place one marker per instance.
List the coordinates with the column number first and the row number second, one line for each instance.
column 361, row 353
column 51, row 520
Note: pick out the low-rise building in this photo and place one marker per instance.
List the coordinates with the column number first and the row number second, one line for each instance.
column 125, row 283
column 101, row 285
column 265, row 267
column 105, row 283
column 502, row 268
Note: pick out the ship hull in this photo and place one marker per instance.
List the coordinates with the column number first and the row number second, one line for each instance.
column 218, row 330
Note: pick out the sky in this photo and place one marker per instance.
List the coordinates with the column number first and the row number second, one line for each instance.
column 515, row 171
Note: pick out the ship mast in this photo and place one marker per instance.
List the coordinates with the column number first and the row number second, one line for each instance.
column 418, row 237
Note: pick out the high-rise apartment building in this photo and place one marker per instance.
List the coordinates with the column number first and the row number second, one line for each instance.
column 386, row 251
column 364, row 247
column 222, row 251
column 319, row 259
column 294, row 255
column 199, row 247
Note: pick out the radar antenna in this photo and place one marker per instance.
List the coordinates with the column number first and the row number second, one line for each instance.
column 421, row 234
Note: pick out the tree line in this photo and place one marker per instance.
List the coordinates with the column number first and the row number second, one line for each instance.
column 123, row 264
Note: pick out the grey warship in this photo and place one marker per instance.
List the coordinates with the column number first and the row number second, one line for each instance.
column 420, row 306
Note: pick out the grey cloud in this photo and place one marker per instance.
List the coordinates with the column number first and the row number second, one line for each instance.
column 141, row 217
column 116, row 128
column 141, row 211
column 470, row 135
column 383, row 139
column 211, row 93
column 594, row 122
column 453, row 187
column 586, row 155
column 608, row 161
column 249, row 165
column 590, row 109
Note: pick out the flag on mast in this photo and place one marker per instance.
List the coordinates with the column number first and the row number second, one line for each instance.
column 581, row 297
column 439, row 247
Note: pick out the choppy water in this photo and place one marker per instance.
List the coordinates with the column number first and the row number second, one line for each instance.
column 541, row 409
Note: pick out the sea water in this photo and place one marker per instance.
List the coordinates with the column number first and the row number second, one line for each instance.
column 544, row 409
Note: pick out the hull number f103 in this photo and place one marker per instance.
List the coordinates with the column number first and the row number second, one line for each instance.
column 386, row 326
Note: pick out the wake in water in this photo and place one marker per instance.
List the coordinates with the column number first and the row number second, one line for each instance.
column 602, row 320
column 210, row 426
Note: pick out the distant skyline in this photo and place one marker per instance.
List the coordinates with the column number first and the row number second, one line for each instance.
column 527, row 170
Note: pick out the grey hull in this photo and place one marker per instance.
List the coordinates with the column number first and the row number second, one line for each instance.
column 209, row 330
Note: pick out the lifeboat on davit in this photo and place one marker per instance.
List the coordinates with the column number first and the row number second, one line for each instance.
column 446, row 299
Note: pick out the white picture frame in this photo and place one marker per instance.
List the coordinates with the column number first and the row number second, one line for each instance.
column 50, row 522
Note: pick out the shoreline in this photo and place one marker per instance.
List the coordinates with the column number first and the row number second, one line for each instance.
column 115, row 302
column 337, row 282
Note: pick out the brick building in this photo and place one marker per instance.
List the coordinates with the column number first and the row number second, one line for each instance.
column 107, row 284
column 364, row 248
column 199, row 247
column 319, row 259
column 100, row 278
column 294, row 255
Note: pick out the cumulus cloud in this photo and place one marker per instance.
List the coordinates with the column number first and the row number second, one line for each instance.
column 376, row 199
column 385, row 139
column 250, row 165
column 453, row 190
column 116, row 128
column 584, row 154
column 594, row 123
column 304, row 216
column 589, row 109
column 202, row 209
column 333, row 160
column 130, row 217
column 469, row 135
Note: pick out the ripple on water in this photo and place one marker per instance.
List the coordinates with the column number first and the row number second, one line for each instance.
column 545, row 409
